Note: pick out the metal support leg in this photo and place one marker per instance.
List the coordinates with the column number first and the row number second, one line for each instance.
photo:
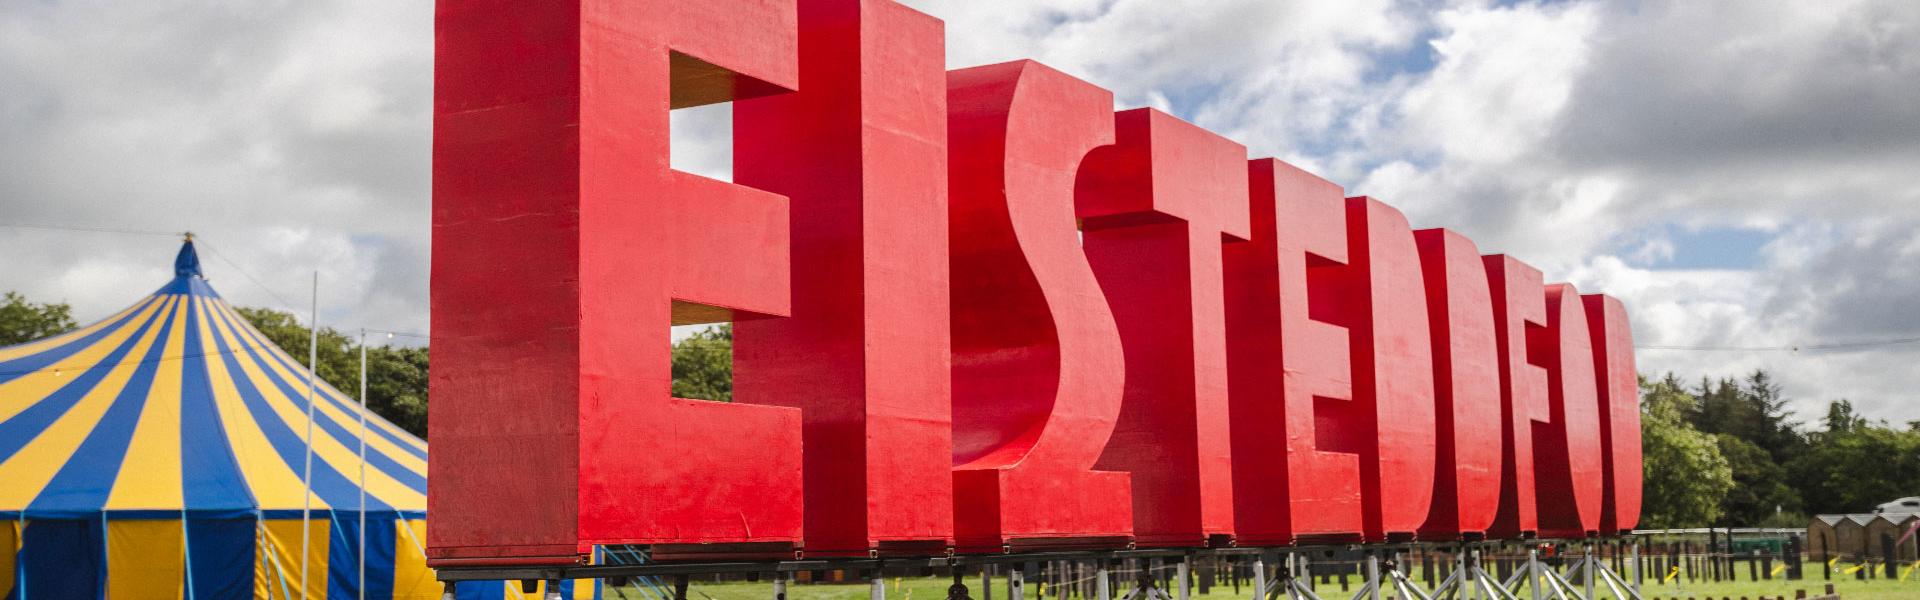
column 1586, row 571
column 1181, row 575
column 779, row 586
column 877, row 585
column 1306, row 571
column 1259, row 577
column 986, row 582
column 1102, row 584
column 1373, row 577
column 447, row 593
column 1633, row 558
column 1015, row 581
column 1533, row 572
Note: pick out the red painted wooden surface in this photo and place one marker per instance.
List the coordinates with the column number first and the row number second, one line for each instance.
column 564, row 247
column 1519, row 307
column 1282, row 362
column 1156, row 207
column 1567, row 462
column 1038, row 370
column 1619, row 395
column 1466, row 375
column 861, row 152
column 1391, row 418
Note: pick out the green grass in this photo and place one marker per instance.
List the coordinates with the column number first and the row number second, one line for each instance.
column 934, row 588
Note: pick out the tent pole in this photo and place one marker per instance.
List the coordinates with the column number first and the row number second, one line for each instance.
column 363, row 465
column 306, row 478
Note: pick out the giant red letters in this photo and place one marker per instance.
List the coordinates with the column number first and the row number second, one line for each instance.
column 975, row 310
column 864, row 355
column 1619, row 395
column 1381, row 298
column 1519, row 307
column 564, row 247
column 1282, row 363
column 1566, row 457
column 1156, row 207
column 1466, row 376
column 1037, row 365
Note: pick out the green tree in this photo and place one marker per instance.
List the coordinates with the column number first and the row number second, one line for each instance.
column 1752, row 410
column 22, row 321
column 1686, row 478
column 1760, row 486
column 703, row 364
column 396, row 376
column 1856, row 464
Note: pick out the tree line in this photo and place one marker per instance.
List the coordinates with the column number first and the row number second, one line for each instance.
column 396, row 376
column 1724, row 453
column 1729, row 453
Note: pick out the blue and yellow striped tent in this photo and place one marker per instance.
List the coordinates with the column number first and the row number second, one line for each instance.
column 160, row 453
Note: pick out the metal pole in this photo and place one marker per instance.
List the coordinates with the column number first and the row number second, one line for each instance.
column 877, row 585
column 1306, row 569
column 306, row 478
column 1014, row 580
column 1102, row 584
column 1259, row 576
column 1586, row 570
column 779, row 586
column 363, row 465
column 1633, row 558
column 1533, row 571
column 986, row 581
column 1478, row 589
column 1181, row 574
column 553, row 589
column 1373, row 576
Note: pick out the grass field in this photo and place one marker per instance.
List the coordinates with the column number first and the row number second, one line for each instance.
column 933, row 588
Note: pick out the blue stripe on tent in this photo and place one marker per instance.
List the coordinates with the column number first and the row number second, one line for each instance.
column 191, row 286
column 62, row 560
column 378, row 460
column 251, row 339
column 210, row 475
column 343, row 558
column 480, row 590
column 20, row 367
column 221, row 553
column 45, row 358
column 16, row 432
column 82, row 485
column 332, row 487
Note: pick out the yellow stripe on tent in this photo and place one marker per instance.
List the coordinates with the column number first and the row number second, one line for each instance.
column 325, row 447
column 412, row 580
column 373, row 420
column 273, row 482
column 283, row 541
column 39, row 345
column 351, row 421
column 31, row 388
column 28, row 471
column 150, row 474
column 146, row 558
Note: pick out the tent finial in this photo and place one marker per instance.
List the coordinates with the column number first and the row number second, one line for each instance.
column 187, row 263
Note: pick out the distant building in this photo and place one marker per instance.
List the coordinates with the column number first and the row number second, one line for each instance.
column 1856, row 537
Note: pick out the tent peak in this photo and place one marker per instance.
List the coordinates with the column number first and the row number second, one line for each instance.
column 187, row 263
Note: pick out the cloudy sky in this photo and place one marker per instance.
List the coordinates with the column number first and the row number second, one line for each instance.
column 1745, row 175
